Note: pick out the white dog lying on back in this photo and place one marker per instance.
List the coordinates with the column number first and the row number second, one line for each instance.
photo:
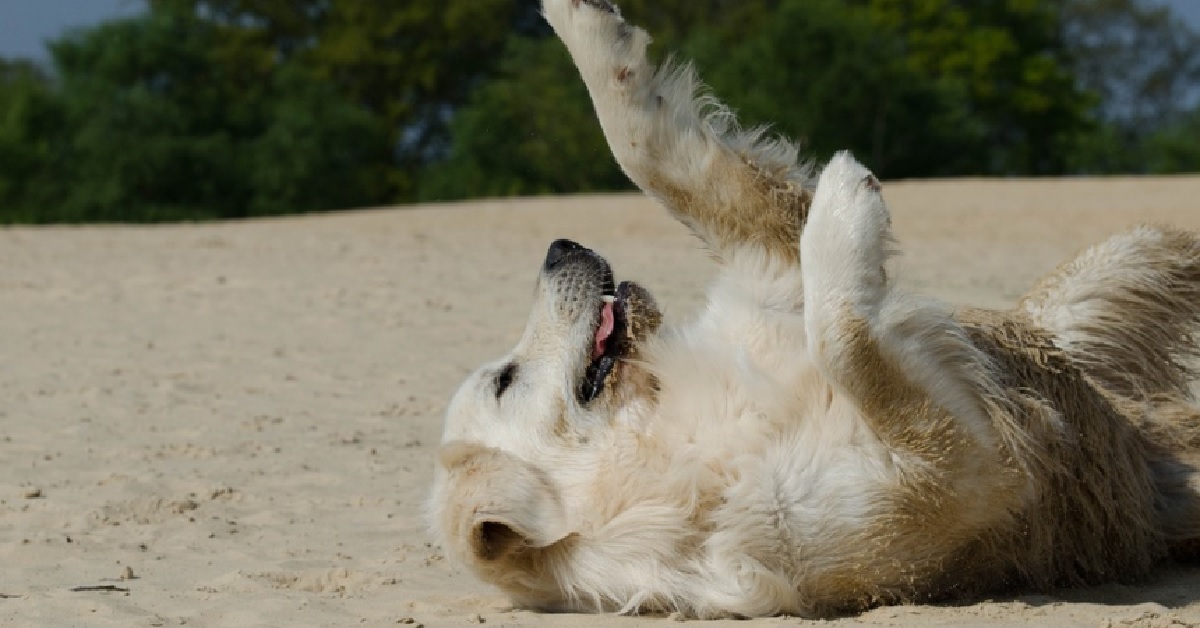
column 816, row 441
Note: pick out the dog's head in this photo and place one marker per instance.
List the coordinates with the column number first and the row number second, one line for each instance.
column 498, row 497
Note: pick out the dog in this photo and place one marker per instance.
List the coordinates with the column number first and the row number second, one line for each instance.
column 817, row 441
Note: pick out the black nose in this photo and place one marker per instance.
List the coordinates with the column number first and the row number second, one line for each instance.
column 559, row 249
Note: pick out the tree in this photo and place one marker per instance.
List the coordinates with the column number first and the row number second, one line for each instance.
column 1143, row 63
column 833, row 83
column 915, row 87
column 152, row 125
column 32, row 120
column 526, row 132
column 1009, row 62
column 409, row 64
column 1139, row 58
column 255, row 34
column 673, row 22
column 146, row 115
column 217, row 108
column 316, row 151
column 1175, row 147
column 414, row 64
column 837, row 81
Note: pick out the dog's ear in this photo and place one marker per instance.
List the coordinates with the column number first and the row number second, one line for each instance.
column 498, row 503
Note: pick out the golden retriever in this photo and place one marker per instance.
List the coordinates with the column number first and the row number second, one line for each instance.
column 817, row 440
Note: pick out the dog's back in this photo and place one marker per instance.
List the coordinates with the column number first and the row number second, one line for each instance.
column 1126, row 314
column 1093, row 515
column 1095, row 367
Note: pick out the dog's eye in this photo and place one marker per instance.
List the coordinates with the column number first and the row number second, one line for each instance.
column 505, row 378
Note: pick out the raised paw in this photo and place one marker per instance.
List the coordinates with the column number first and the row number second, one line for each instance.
column 603, row 5
column 581, row 22
column 847, row 238
column 849, row 201
column 609, row 52
column 846, row 186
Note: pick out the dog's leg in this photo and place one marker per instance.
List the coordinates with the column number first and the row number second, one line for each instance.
column 1128, row 311
column 908, row 366
column 732, row 188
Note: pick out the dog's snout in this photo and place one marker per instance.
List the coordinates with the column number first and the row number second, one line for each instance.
column 559, row 250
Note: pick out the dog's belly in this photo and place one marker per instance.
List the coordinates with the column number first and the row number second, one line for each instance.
column 803, row 480
column 809, row 497
column 796, row 512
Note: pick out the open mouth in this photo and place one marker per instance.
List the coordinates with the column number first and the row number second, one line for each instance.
column 611, row 340
column 625, row 315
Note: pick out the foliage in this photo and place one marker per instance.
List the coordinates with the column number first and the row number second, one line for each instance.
column 1009, row 62
column 146, row 125
column 528, row 131
column 1138, row 57
column 414, row 63
column 551, row 143
column 837, row 81
column 31, row 141
column 1175, row 148
column 1144, row 65
column 225, row 108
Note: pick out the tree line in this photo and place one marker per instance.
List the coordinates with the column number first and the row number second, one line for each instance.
column 201, row 109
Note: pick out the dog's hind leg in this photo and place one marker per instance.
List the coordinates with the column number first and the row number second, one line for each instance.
column 732, row 188
column 909, row 367
column 1128, row 311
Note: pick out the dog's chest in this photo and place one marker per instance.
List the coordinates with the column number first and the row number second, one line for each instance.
column 795, row 468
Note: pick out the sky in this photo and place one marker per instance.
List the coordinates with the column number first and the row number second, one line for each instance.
column 26, row 24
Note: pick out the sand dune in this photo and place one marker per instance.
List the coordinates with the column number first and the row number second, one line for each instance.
column 243, row 416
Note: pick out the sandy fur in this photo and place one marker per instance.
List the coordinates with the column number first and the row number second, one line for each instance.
column 818, row 440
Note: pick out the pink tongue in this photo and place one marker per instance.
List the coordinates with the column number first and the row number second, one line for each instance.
column 604, row 330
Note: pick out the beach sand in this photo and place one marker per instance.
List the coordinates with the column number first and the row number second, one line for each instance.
column 234, row 424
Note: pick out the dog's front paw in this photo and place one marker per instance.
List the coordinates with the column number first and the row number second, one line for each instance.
column 848, row 205
column 586, row 14
column 847, row 237
column 602, row 5
column 846, row 187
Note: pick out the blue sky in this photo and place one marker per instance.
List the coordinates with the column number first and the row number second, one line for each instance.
column 26, row 24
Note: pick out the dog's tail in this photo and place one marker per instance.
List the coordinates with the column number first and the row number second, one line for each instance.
column 1128, row 312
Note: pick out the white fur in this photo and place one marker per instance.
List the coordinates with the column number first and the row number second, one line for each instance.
column 752, row 480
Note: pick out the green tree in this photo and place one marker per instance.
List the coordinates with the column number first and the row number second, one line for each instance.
column 835, row 81
column 673, row 22
column 413, row 64
column 152, row 125
column 832, row 83
column 1174, row 148
column 529, row 128
column 915, row 87
column 1010, row 63
column 147, row 122
column 32, row 120
column 1144, row 64
column 1140, row 58
column 314, row 150
column 526, row 132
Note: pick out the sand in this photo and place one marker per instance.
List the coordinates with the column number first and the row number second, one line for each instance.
column 234, row 424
